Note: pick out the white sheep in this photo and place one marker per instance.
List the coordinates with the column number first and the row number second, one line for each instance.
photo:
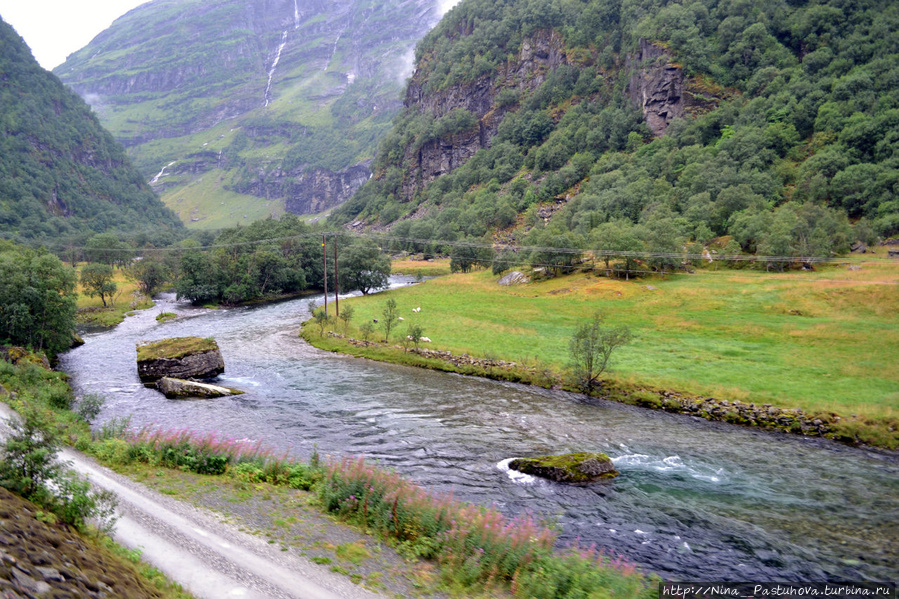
column 425, row 339
column 418, row 309
column 401, row 319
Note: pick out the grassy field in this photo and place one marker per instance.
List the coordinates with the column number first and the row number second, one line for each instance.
column 126, row 299
column 820, row 341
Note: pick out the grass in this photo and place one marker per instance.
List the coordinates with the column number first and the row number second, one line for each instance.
column 175, row 348
column 126, row 299
column 424, row 268
column 819, row 341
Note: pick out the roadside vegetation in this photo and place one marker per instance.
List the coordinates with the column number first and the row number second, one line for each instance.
column 62, row 503
column 476, row 547
column 821, row 341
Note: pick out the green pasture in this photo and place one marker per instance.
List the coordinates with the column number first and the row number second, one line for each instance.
column 825, row 340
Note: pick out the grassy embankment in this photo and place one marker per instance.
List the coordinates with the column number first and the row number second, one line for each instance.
column 824, row 341
column 126, row 299
column 480, row 552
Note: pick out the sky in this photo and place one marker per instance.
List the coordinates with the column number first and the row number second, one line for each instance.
column 53, row 29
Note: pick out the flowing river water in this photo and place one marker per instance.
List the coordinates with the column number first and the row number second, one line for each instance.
column 694, row 501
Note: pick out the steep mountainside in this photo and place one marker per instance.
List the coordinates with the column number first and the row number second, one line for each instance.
column 647, row 124
column 62, row 176
column 242, row 108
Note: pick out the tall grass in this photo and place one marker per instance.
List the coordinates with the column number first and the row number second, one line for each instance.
column 476, row 545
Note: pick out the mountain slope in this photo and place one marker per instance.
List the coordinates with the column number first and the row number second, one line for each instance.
column 251, row 107
column 62, row 176
column 586, row 122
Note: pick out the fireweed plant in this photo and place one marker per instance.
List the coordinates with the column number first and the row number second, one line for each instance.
column 475, row 545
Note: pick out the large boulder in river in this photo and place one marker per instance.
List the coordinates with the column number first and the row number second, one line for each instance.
column 179, row 388
column 568, row 468
column 180, row 358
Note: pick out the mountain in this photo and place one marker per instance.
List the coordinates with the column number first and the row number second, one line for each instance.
column 238, row 109
column 605, row 123
column 62, row 176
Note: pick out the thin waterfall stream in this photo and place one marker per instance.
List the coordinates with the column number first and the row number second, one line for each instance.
column 694, row 501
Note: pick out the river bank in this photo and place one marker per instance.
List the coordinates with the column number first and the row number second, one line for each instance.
column 765, row 417
column 814, row 353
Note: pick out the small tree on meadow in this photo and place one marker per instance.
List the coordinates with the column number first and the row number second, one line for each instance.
column 591, row 348
column 366, row 330
column 390, row 316
column 97, row 280
column 346, row 315
column 414, row 334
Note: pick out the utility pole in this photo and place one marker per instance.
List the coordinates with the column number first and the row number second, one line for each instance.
column 336, row 289
column 325, row 271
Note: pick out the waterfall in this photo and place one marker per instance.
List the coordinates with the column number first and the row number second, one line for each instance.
column 161, row 172
column 271, row 71
column 296, row 15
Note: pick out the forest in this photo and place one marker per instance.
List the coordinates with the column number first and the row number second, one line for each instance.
column 795, row 154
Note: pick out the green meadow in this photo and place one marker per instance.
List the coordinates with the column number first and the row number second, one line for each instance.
column 821, row 341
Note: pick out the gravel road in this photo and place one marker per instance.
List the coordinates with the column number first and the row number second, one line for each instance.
column 210, row 558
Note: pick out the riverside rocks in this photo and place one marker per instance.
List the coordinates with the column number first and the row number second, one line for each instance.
column 179, row 357
column 179, row 389
column 580, row 467
column 764, row 416
column 43, row 560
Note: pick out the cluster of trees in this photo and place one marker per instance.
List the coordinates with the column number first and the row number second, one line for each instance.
column 37, row 299
column 799, row 142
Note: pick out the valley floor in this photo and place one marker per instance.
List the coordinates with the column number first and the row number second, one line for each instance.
column 824, row 342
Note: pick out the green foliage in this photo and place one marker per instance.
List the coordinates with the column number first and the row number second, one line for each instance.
column 267, row 257
column 97, row 280
column 363, row 267
column 800, row 111
column 590, row 349
column 29, row 467
column 62, row 176
column 37, row 299
column 346, row 315
column 89, row 406
column 389, row 316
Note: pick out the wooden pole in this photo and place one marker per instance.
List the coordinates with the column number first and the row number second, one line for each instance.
column 336, row 288
column 325, row 271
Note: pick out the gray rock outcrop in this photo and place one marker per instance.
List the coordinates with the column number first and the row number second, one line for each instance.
column 514, row 278
column 180, row 388
column 179, row 357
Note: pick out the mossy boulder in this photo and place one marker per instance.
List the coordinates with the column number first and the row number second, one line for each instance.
column 179, row 357
column 583, row 467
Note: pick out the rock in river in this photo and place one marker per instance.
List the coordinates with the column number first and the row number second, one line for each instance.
column 568, row 468
column 179, row 357
column 179, row 388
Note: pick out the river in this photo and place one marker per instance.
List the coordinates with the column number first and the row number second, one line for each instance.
column 695, row 500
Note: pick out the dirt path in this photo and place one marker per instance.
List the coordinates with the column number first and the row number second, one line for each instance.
column 210, row 558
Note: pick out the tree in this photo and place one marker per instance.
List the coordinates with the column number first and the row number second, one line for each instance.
column 463, row 258
column 97, row 280
column 37, row 299
column 391, row 315
column 107, row 248
column 591, row 348
column 362, row 266
column 414, row 335
column 150, row 273
column 346, row 315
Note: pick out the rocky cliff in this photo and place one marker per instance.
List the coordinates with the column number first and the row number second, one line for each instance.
column 659, row 88
column 539, row 54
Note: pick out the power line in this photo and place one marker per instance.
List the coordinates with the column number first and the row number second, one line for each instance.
column 516, row 248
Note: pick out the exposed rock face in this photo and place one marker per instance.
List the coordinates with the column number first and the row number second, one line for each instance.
column 19, row 356
column 568, row 468
column 539, row 54
column 513, row 278
column 179, row 357
column 179, row 388
column 307, row 191
column 657, row 86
